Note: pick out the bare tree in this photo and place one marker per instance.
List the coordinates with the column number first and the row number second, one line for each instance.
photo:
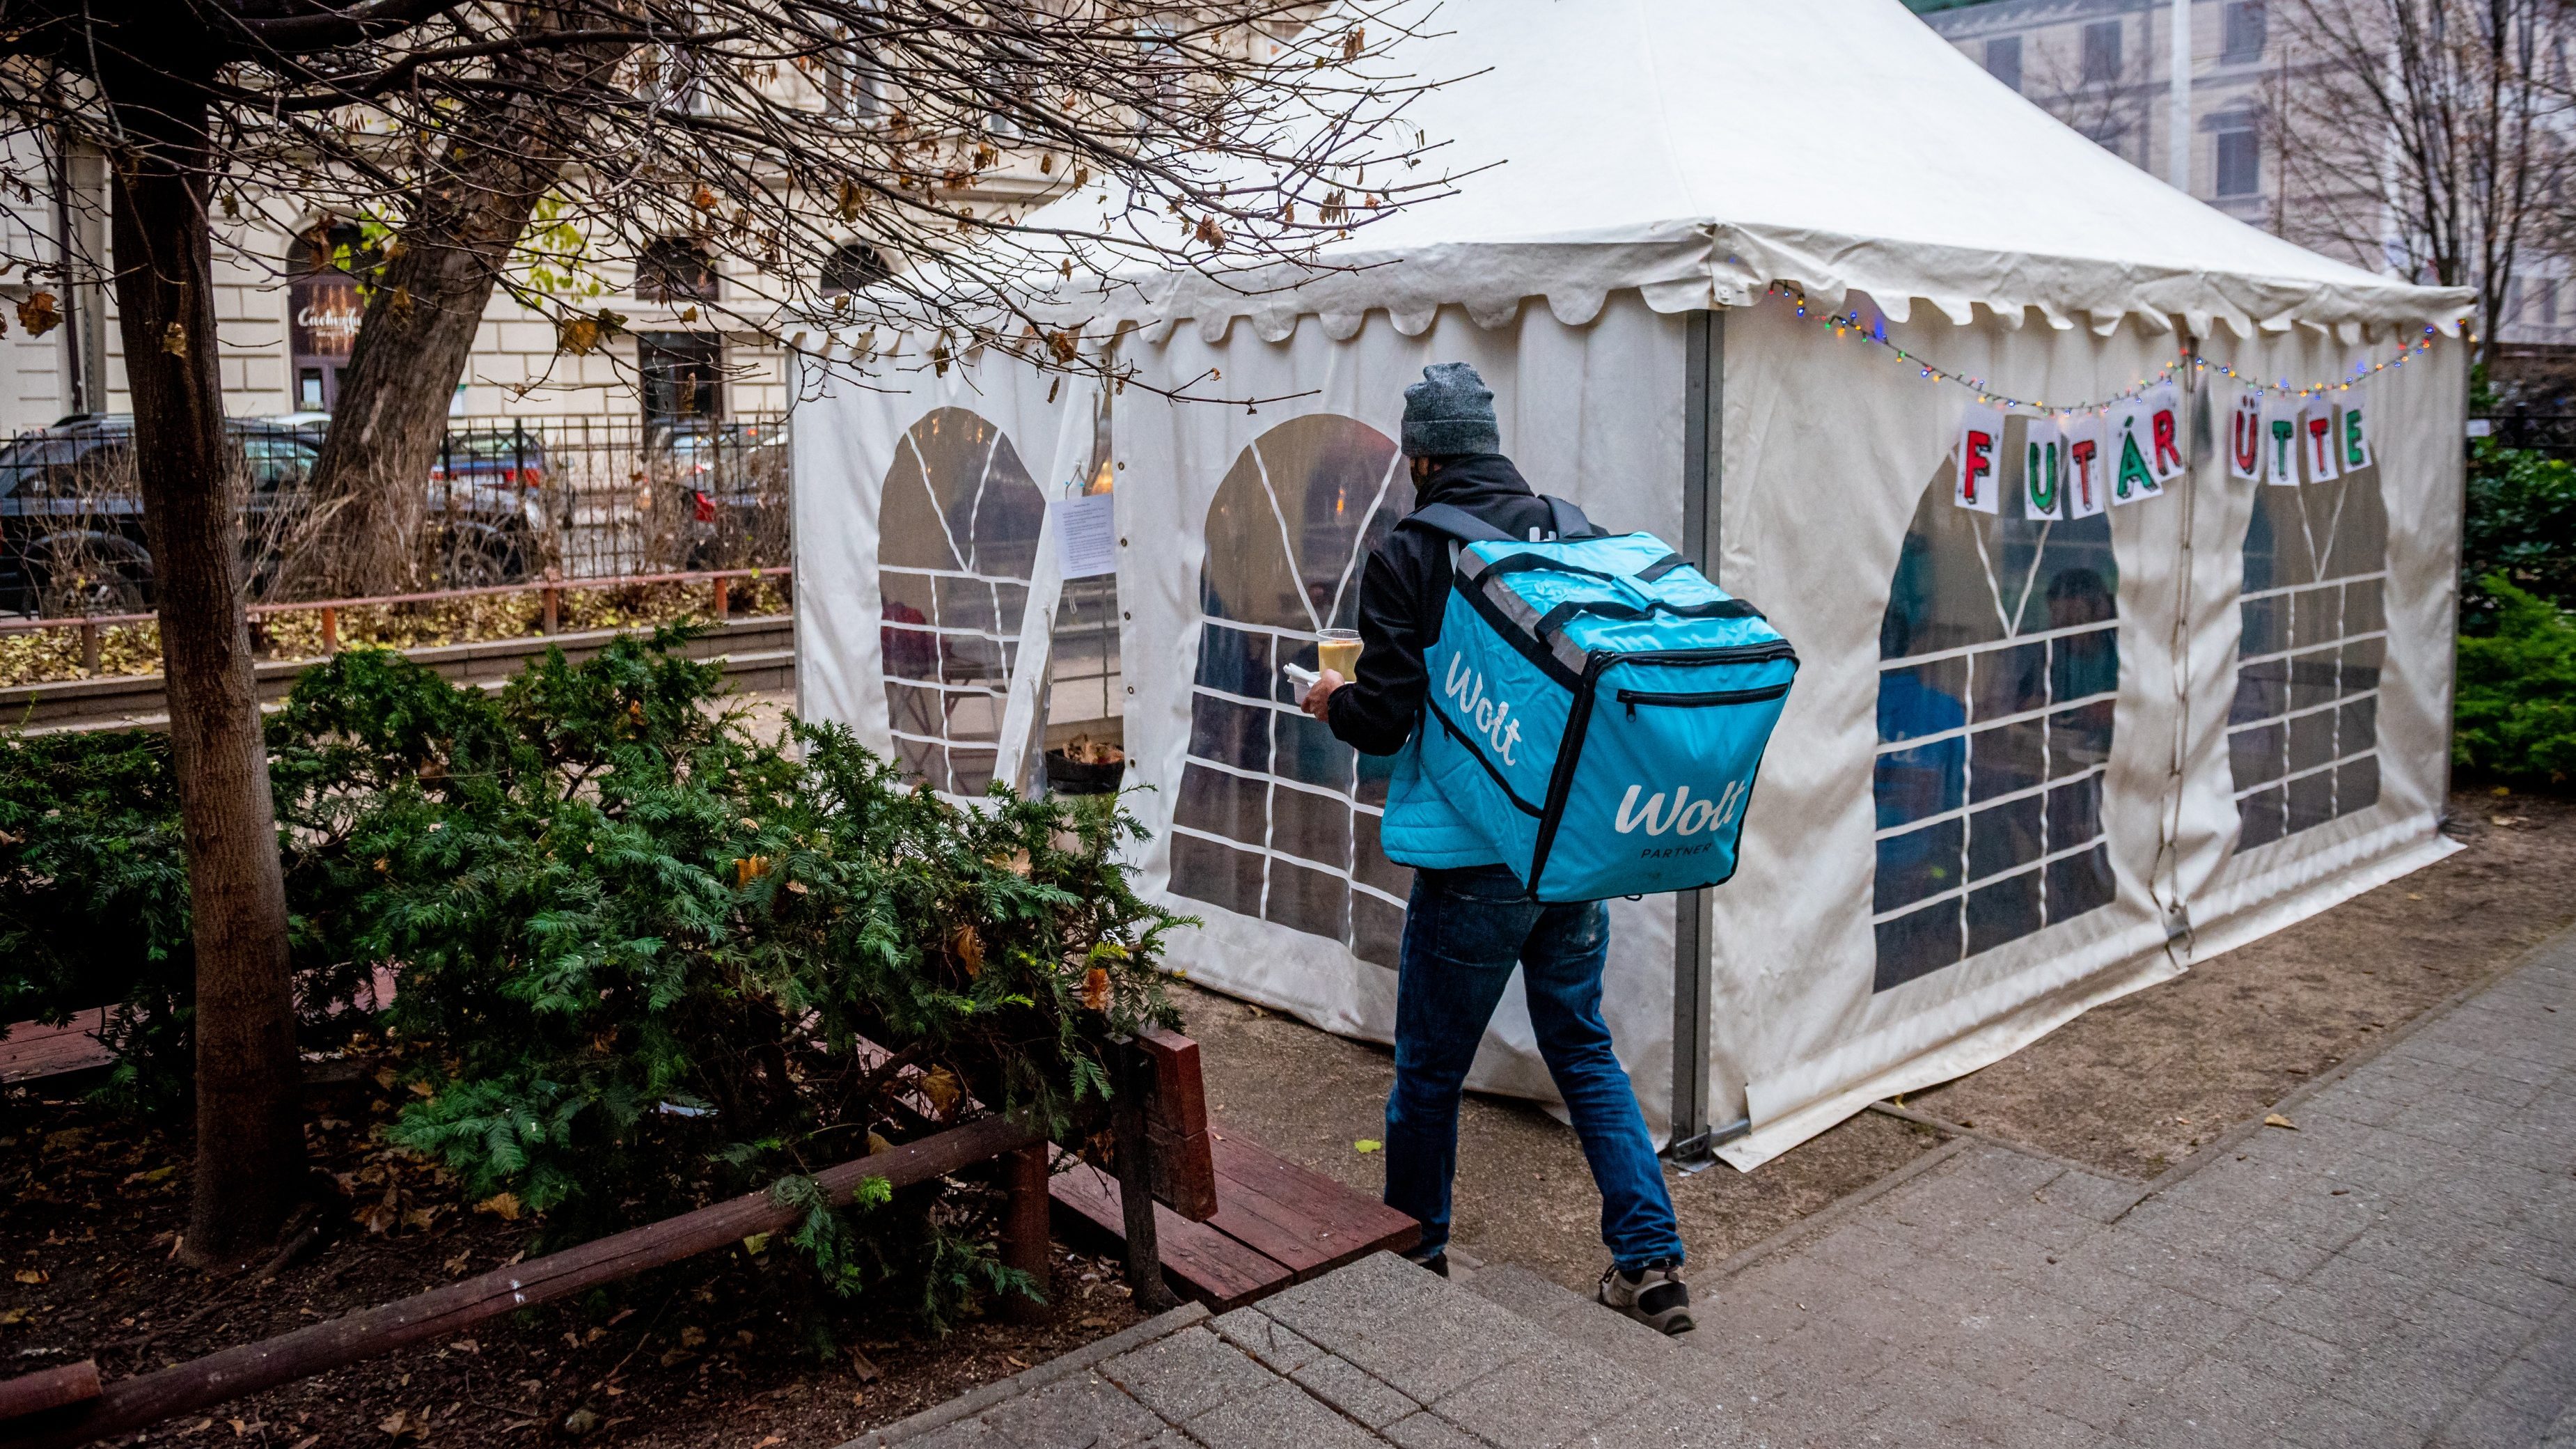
column 2430, row 137
column 2109, row 98
column 760, row 138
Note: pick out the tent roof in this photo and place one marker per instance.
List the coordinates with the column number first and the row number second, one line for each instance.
column 1701, row 150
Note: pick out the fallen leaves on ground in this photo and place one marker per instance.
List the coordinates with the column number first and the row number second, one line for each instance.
column 943, row 1089
column 2277, row 1120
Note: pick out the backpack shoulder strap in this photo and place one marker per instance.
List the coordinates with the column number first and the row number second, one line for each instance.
column 1569, row 520
column 1458, row 523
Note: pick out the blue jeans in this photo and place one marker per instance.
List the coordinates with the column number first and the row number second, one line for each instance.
column 1462, row 933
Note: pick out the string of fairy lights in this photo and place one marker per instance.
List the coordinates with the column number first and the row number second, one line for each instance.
column 1852, row 325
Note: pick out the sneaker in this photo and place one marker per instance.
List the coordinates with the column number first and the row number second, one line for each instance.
column 1652, row 1295
column 1436, row 1263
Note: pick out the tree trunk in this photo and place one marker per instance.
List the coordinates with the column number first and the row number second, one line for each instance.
column 371, row 525
column 250, row 1143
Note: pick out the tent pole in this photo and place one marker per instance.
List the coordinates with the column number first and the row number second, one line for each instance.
column 1703, row 466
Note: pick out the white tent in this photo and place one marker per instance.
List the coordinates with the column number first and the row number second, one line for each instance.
column 2030, row 764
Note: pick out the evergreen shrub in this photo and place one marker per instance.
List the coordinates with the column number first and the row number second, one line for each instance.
column 644, row 958
column 2516, row 715
column 2520, row 523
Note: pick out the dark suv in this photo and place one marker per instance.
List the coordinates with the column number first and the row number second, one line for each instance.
column 71, row 521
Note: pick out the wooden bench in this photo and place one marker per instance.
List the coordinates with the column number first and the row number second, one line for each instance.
column 1233, row 1221
column 32, row 1050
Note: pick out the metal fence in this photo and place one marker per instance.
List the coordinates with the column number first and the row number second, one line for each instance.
column 506, row 501
column 612, row 496
column 2551, row 433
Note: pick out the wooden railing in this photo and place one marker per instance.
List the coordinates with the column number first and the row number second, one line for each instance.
column 71, row 1405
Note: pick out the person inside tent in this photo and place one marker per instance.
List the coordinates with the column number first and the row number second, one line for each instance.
column 1470, row 919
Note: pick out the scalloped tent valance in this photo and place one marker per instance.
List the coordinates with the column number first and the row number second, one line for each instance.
column 1698, row 151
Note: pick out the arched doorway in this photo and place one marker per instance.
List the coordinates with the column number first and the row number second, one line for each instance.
column 1276, row 818
column 957, row 540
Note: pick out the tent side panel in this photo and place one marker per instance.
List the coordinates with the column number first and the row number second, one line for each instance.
column 2365, row 569
column 849, row 442
column 1831, row 446
column 1244, row 561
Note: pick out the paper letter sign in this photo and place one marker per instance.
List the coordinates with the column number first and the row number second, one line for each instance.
column 2281, row 445
column 2164, row 432
column 1086, row 535
column 2132, row 438
column 2318, row 448
column 2043, row 479
column 2245, row 437
column 1981, row 449
column 2087, row 470
column 2356, row 441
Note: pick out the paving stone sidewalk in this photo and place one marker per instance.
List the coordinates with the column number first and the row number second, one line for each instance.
column 2400, row 1269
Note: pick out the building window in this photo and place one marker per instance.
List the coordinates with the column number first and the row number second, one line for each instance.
column 2242, row 29
column 2547, row 287
column 675, row 269
column 2003, row 59
column 1276, row 818
column 2240, row 160
column 2101, row 52
column 853, row 89
column 1999, row 661
column 957, row 538
column 853, row 267
column 683, row 379
column 2303, row 732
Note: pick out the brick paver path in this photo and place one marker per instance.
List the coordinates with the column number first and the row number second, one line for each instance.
column 2400, row 1269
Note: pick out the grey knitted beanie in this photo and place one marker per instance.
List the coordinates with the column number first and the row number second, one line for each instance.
column 1450, row 411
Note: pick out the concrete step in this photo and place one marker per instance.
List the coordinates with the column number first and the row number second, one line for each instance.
column 1577, row 1319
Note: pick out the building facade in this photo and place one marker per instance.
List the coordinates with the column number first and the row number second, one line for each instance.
column 2105, row 68
column 287, row 319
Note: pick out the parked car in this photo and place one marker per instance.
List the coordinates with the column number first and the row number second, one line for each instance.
column 71, row 521
column 487, row 490
column 730, row 478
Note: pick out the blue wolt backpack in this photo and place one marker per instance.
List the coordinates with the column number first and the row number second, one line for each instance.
column 1597, row 708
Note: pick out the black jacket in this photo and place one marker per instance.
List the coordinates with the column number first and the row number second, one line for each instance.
column 1404, row 591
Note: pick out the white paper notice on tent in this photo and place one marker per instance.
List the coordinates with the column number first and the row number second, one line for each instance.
column 1086, row 535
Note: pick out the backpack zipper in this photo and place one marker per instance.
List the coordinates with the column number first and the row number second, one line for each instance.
column 1723, row 654
column 1701, row 700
